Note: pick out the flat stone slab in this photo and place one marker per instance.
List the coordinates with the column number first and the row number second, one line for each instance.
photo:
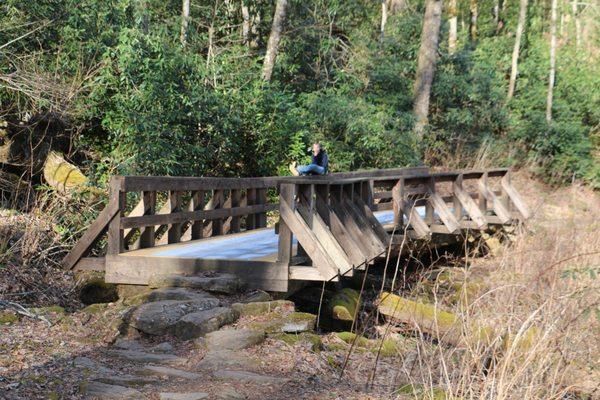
column 234, row 339
column 225, row 359
column 163, row 347
column 183, row 396
column 222, row 283
column 295, row 322
column 263, row 307
column 166, row 372
column 256, row 296
column 125, row 380
column 99, row 390
column 247, row 377
column 143, row 357
column 178, row 293
column 92, row 366
column 199, row 323
column 156, row 317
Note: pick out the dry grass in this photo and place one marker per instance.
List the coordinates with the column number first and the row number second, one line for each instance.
column 539, row 295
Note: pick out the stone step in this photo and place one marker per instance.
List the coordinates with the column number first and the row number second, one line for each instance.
column 125, row 380
column 246, row 376
column 166, row 372
column 221, row 283
column 143, row 357
column 234, row 339
column 158, row 317
column 99, row 390
column 199, row 323
column 183, row 396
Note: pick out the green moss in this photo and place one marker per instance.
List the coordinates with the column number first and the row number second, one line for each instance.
column 275, row 322
column 344, row 303
column 262, row 307
column 389, row 347
column 95, row 308
column 49, row 310
column 421, row 392
column 292, row 338
column 8, row 317
column 137, row 299
column 53, row 396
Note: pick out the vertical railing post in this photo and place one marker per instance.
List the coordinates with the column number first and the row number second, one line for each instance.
column 235, row 202
column 218, row 200
column 174, row 230
column 481, row 196
column 504, row 197
column 429, row 216
column 305, row 198
column 458, row 213
column 250, row 200
column 147, row 235
column 398, row 203
column 284, row 252
column 261, row 198
column 197, row 204
column 116, row 241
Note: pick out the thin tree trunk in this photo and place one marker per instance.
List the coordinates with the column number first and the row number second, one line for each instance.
column 473, row 21
column 500, row 20
column 552, row 73
column 496, row 12
column 245, row 24
column 453, row 29
column 516, row 49
column 574, row 7
column 274, row 38
column 383, row 17
column 185, row 17
column 426, row 64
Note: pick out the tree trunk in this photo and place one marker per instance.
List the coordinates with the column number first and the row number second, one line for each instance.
column 473, row 21
column 552, row 73
column 574, row 7
column 185, row 17
column 426, row 64
column 383, row 17
column 245, row 24
column 515, row 54
column 274, row 38
column 453, row 29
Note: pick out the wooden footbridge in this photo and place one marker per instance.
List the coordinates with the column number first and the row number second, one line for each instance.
column 274, row 230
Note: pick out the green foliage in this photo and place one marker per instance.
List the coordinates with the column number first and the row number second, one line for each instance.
column 146, row 104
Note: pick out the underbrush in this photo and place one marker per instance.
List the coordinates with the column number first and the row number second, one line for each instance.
column 538, row 300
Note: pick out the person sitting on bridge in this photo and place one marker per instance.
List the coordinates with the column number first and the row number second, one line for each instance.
column 318, row 165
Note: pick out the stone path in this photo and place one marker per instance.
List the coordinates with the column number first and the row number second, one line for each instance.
column 189, row 308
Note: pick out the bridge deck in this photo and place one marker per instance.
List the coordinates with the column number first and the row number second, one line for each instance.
column 256, row 244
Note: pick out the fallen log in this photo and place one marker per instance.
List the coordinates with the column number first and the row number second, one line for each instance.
column 343, row 304
column 62, row 175
column 442, row 325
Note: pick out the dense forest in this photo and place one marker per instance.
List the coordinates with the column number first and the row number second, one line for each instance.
column 241, row 88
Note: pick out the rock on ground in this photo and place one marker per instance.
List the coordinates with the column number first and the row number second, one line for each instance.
column 104, row 391
column 234, row 339
column 142, row 357
column 166, row 372
column 247, row 376
column 183, row 396
column 155, row 318
column 225, row 359
column 263, row 307
column 178, row 293
column 199, row 323
column 223, row 283
column 125, row 380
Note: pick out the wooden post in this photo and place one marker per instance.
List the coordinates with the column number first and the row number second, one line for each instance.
column 116, row 242
column 284, row 253
column 261, row 198
column 147, row 234
column 196, row 204
column 398, row 203
column 250, row 200
column 429, row 216
column 457, row 204
column 481, row 197
column 305, row 198
column 235, row 202
column 217, row 224
column 174, row 232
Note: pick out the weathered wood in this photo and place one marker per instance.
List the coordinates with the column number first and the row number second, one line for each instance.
column 488, row 196
column 90, row 264
column 308, row 273
column 116, row 242
column 197, row 204
column 137, row 270
column 173, row 183
column 372, row 220
column 515, row 197
column 182, row 216
column 469, row 205
column 149, row 208
column 235, row 196
column 326, row 238
column 367, row 248
column 415, row 221
column 251, row 200
column 309, row 241
column 261, row 198
column 439, row 205
column 91, row 236
column 284, row 252
column 365, row 225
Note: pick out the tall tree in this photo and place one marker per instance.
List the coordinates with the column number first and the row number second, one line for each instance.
column 426, row 64
column 185, row 17
column 453, row 29
column 473, row 12
column 384, row 12
column 245, row 23
column 274, row 38
column 552, row 72
column 575, row 8
column 516, row 49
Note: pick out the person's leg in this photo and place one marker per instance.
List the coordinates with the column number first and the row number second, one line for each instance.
column 310, row 169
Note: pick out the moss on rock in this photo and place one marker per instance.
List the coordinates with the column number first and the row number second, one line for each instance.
column 8, row 317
